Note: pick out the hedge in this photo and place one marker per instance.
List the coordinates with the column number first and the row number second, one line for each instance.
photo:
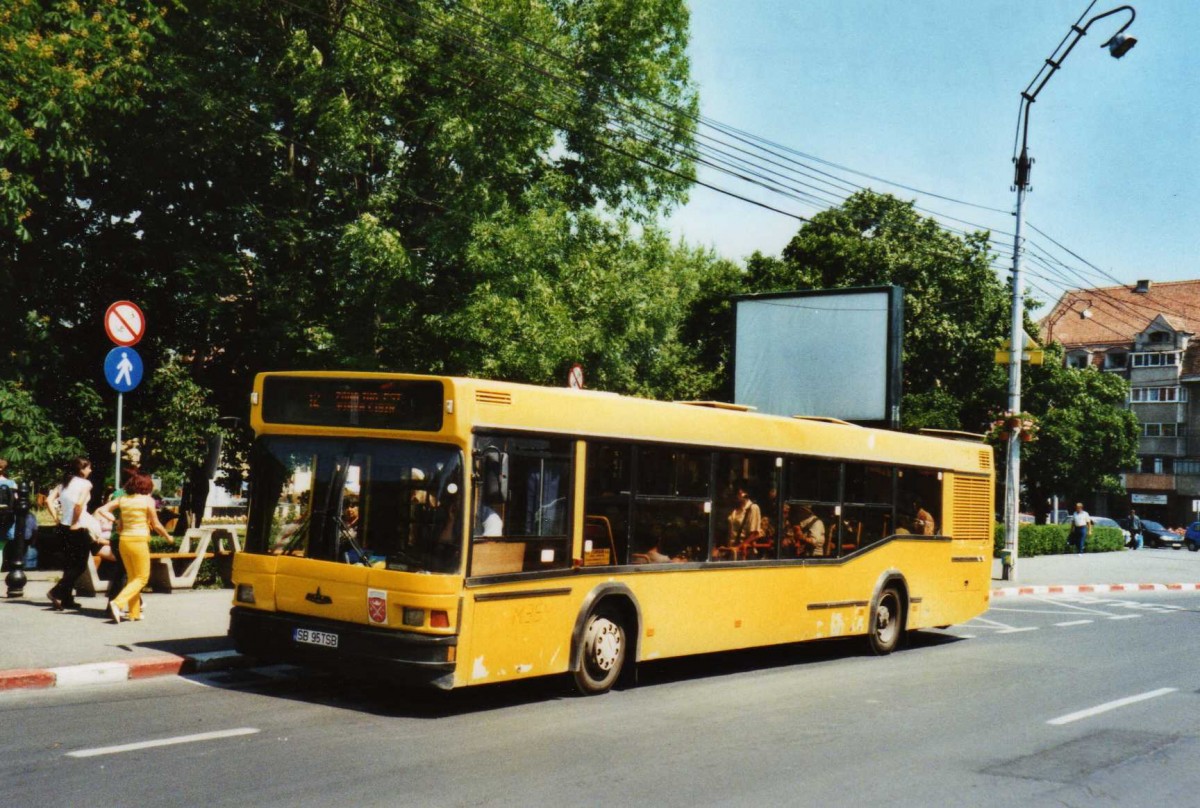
column 1036, row 540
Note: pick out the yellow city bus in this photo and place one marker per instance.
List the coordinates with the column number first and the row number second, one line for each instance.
column 455, row 531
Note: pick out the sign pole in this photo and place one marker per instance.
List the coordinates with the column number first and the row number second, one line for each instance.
column 117, row 473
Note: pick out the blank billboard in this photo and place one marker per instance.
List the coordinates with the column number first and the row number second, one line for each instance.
column 833, row 353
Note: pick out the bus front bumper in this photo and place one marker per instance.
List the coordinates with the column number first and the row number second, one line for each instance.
column 384, row 653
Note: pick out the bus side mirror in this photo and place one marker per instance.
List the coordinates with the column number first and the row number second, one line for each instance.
column 495, row 475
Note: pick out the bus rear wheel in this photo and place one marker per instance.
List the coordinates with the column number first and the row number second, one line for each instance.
column 603, row 657
column 887, row 622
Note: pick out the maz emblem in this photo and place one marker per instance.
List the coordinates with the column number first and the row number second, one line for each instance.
column 317, row 597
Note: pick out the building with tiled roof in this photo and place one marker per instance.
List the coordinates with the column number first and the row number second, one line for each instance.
column 1145, row 334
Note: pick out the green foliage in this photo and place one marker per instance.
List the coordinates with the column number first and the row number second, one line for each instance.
column 1037, row 540
column 1086, row 435
column 173, row 417
column 62, row 62
column 30, row 440
column 554, row 288
column 329, row 185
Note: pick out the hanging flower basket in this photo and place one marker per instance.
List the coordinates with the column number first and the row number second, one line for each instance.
column 1008, row 425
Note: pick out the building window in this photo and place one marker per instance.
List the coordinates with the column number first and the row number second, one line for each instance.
column 1117, row 360
column 1158, row 337
column 1187, row 467
column 1156, row 359
column 1150, row 395
column 1078, row 359
column 1160, row 430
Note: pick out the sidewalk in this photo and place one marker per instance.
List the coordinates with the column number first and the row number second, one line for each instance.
column 185, row 631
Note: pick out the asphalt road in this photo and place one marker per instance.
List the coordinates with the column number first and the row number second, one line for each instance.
column 1060, row 700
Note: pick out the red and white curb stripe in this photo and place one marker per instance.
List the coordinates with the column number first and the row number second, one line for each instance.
column 1092, row 588
column 96, row 673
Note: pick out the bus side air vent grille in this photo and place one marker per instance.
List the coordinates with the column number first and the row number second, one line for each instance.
column 972, row 508
column 493, row 397
column 985, row 460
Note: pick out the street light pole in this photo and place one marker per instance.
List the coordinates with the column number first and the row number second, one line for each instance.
column 1118, row 45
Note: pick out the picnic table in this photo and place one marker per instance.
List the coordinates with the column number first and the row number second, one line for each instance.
column 175, row 569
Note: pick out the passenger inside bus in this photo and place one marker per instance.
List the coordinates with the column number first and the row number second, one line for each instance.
column 807, row 537
column 745, row 524
column 491, row 524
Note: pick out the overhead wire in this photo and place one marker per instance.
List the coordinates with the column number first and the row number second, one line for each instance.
column 705, row 153
column 749, row 138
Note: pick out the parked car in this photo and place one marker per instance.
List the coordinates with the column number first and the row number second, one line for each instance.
column 1155, row 535
column 1104, row 521
column 1192, row 538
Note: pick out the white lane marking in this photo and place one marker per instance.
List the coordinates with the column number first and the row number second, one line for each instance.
column 989, row 623
column 1074, row 623
column 1035, row 611
column 1017, row 630
column 1111, row 705
column 134, row 747
column 1124, row 617
column 1073, row 606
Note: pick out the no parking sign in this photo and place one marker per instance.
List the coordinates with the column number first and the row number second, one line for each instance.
column 124, row 323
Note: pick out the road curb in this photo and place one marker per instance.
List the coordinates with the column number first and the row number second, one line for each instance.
column 107, row 672
column 1076, row 589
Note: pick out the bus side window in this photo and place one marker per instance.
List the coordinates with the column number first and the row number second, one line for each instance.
column 523, row 488
column 867, row 515
column 814, row 484
column 670, row 509
column 606, row 502
column 920, row 502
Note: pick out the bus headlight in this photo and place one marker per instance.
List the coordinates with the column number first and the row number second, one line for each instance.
column 245, row 593
column 414, row 617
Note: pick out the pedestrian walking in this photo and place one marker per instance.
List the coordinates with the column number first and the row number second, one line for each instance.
column 1135, row 530
column 138, row 518
column 73, row 531
column 1081, row 523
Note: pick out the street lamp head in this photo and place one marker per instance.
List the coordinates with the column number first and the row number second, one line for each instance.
column 1119, row 45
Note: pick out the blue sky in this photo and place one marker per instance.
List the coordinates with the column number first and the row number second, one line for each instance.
column 926, row 92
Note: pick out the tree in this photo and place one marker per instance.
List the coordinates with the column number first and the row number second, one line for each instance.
column 1086, row 436
column 315, row 184
column 955, row 308
column 555, row 287
column 61, row 64
column 172, row 422
column 33, row 444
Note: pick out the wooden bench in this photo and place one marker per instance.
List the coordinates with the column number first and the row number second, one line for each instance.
column 167, row 569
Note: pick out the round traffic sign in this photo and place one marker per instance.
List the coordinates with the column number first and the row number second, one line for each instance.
column 124, row 323
column 123, row 369
column 575, row 377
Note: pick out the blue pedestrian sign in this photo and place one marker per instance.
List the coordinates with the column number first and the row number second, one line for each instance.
column 123, row 369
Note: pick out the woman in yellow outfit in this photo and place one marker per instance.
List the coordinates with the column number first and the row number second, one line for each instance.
column 138, row 518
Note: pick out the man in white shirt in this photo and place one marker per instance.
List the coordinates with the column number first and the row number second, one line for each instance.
column 1081, row 522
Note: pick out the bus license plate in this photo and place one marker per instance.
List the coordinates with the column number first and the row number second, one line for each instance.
column 325, row 639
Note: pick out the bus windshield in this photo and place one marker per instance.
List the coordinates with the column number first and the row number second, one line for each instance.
column 382, row 504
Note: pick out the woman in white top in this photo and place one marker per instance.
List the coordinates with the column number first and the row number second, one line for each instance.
column 73, row 530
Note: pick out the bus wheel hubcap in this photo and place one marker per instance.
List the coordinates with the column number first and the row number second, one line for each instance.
column 606, row 644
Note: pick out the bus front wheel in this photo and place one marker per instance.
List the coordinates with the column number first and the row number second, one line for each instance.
column 887, row 622
column 604, row 649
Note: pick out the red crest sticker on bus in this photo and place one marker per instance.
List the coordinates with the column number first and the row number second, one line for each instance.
column 377, row 605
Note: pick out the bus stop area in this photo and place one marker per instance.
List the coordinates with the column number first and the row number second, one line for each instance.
column 186, row 631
